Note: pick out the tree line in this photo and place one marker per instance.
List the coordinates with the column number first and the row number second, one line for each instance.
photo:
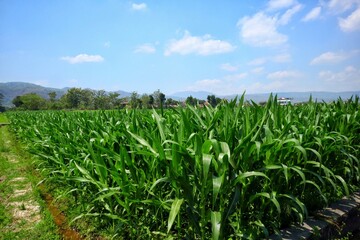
column 2, row 108
column 86, row 99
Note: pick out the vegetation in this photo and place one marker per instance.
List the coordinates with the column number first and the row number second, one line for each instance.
column 2, row 108
column 77, row 98
column 231, row 172
column 23, row 214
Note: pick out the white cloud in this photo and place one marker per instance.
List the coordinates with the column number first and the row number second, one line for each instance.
column 346, row 80
column 44, row 83
column 139, row 6
column 81, row 58
column 351, row 23
column 273, row 86
column 340, row 6
column 286, row 17
column 231, row 85
column 218, row 86
column 312, row 15
column 226, row 85
column 260, row 30
column 282, row 58
column 283, row 74
column 257, row 70
column 350, row 73
column 333, row 57
column 107, row 44
column 211, row 85
column 204, row 45
column 145, row 48
column 257, row 61
column 279, row 4
column 235, row 77
column 228, row 67
column 348, row 12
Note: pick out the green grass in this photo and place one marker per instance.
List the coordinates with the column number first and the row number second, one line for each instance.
column 3, row 118
column 11, row 228
column 234, row 171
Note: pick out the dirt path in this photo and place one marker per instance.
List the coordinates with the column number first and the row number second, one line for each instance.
column 21, row 202
column 21, row 208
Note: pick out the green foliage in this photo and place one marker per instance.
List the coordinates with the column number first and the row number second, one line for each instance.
column 2, row 108
column 135, row 102
column 213, row 101
column 234, row 171
column 13, row 227
column 193, row 101
column 30, row 101
column 17, row 101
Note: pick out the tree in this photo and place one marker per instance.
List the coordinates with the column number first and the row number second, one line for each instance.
column 135, row 102
column 87, row 99
column 52, row 103
column 151, row 100
column 2, row 108
column 72, row 98
column 17, row 101
column 159, row 98
column 78, row 98
column 212, row 100
column 114, row 100
column 52, row 96
column 30, row 101
column 101, row 100
column 190, row 100
column 145, row 101
column 171, row 102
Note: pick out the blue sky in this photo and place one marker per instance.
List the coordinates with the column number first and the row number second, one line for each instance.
column 224, row 47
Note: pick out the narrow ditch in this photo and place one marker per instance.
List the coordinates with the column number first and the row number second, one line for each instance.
column 59, row 218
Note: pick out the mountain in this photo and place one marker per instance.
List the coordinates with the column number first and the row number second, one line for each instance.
column 297, row 97
column 263, row 97
column 12, row 89
column 123, row 93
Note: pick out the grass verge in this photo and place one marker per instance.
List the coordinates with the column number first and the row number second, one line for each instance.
column 23, row 213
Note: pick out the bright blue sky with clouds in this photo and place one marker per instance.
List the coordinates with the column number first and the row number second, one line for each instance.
column 225, row 47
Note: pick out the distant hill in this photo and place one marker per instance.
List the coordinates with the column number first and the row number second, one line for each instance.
column 263, row 97
column 12, row 89
column 299, row 96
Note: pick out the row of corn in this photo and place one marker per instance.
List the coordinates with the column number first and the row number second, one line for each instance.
column 236, row 171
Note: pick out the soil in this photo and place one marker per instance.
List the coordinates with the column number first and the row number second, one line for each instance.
column 60, row 219
column 21, row 203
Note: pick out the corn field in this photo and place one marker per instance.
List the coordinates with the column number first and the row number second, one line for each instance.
column 235, row 171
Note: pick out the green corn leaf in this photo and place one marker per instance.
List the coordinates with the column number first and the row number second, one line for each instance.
column 346, row 189
column 245, row 175
column 215, row 224
column 143, row 142
column 206, row 162
column 217, row 182
column 175, row 208
column 160, row 125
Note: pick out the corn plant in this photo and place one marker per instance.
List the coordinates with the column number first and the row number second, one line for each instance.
column 234, row 171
